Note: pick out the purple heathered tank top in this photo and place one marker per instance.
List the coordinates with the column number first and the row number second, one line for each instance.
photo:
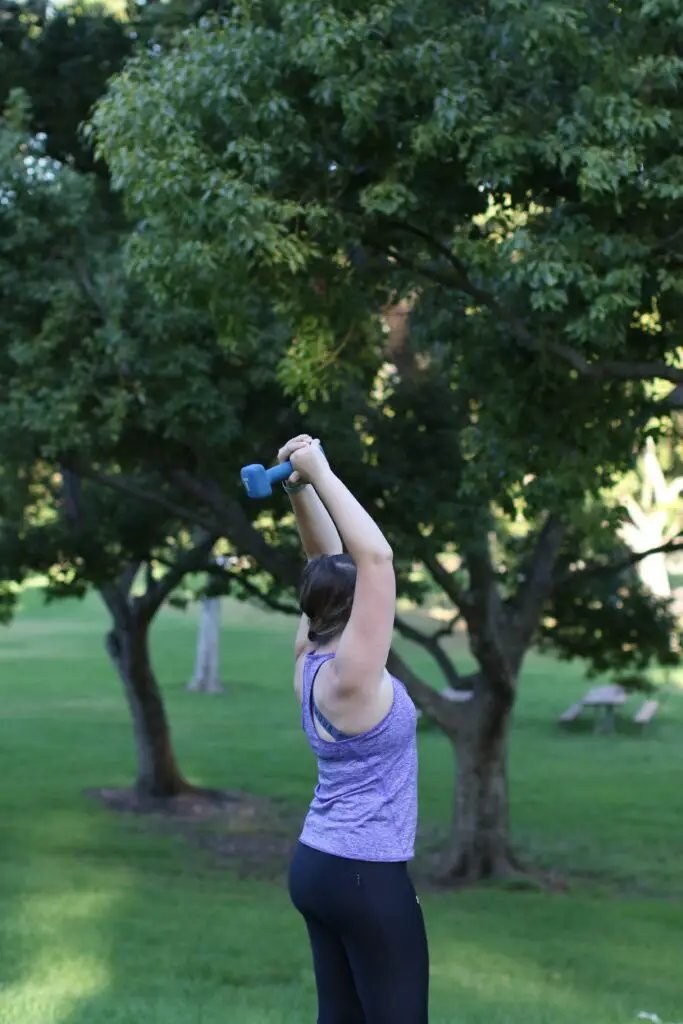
column 365, row 803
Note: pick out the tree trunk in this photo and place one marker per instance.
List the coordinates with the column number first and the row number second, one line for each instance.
column 480, row 846
column 206, row 676
column 158, row 775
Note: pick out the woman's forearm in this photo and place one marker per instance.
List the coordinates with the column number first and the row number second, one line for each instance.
column 318, row 533
column 360, row 533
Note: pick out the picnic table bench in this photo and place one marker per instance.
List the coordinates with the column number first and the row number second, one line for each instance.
column 605, row 700
column 646, row 712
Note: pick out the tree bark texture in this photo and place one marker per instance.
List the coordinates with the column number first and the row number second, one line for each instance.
column 480, row 843
column 158, row 775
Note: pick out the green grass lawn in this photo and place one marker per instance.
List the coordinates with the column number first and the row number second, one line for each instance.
column 104, row 921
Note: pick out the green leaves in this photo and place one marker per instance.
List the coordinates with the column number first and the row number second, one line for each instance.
column 268, row 142
column 612, row 622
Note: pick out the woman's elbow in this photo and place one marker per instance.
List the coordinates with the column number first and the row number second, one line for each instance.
column 382, row 555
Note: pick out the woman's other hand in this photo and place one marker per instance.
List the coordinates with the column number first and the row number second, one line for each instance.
column 288, row 449
column 309, row 462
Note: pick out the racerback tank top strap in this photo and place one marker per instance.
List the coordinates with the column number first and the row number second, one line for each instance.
column 312, row 664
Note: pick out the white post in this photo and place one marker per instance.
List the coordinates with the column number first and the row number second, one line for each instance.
column 206, row 677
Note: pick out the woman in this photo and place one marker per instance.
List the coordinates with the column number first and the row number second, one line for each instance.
column 348, row 876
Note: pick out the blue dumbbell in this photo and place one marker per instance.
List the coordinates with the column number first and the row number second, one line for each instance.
column 258, row 481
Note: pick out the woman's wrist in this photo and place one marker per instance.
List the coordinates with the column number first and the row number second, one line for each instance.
column 295, row 488
column 304, row 484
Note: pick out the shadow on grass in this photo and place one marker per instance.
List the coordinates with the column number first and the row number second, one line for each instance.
column 185, row 943
column 147, row 931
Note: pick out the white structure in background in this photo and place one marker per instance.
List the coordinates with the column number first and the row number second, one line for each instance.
column 206, row 677
column 655, row 519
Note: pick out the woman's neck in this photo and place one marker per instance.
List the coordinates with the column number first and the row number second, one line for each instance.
column 329, row 647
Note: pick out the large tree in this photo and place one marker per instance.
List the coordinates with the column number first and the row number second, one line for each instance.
column 506, row 178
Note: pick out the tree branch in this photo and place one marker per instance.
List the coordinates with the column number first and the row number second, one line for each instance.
column 538, row 582
column 116, row 595
column 430, row 271
column 609, row 369
column 73, row 500
column 447, row 714
column 453, row 590
column 271, row 602
column 90, row 292
column 231, row 520
column 613, row 369
column 447, row 630
column 192, row 560
column 488, row 622
column 127, row 577
column 431, row 644
column 462, row 277
column 237, row 528
column 125, row 486
column 668, row 243
column 481, row 570
column 619, row 565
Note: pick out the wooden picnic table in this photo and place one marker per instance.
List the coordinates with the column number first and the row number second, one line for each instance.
column 605, row 700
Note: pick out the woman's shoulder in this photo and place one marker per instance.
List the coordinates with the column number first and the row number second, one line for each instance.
column 309, row 662
column 313, row 657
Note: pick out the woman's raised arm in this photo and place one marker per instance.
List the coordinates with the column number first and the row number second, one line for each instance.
column 364, row 646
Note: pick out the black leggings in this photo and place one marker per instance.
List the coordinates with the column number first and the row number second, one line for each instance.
column 368, row 938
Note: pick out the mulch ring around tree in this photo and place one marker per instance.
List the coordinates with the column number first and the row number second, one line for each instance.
column 249, row 834
column 254, row 836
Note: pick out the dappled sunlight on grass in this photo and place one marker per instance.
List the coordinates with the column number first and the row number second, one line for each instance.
column 52, row 991
column 55, row 943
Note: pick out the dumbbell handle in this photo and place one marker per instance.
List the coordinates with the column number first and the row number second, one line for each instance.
column 280, row 472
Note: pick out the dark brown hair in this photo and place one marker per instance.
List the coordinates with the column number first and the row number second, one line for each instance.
column 326, row 596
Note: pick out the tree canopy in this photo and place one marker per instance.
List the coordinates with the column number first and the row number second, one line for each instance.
column 517, row 168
